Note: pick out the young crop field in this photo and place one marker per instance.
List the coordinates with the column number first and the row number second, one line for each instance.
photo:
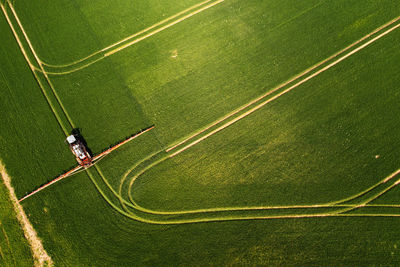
column 14, row 248
column 265, row 132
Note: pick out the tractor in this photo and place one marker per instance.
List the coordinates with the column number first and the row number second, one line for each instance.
column 79, row 150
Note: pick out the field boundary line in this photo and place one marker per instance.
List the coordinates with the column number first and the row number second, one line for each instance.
column 40, row 256
column 283, row 84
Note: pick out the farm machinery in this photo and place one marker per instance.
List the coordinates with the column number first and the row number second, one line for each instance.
column 78, row 147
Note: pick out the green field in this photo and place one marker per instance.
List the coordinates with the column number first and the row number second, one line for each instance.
column 14, row 249
column 275, row 141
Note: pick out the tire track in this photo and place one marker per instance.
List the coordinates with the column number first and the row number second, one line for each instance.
column 247, row 113
column 41, row 66
column 39, row 253
column 235, row 120
column 319, row 64
column 129, row 37
column 22, row 49
column 104, row 53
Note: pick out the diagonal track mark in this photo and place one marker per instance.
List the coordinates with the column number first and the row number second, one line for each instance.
column 287, row 90
column 22, row 49
column 129, row 37
column 283, row 84
column 40, row 65
column 163, row 28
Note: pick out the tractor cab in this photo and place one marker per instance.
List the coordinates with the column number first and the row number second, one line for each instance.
column 79, row 150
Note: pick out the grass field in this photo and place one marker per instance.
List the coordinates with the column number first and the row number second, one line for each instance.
column 275, row 140
column 14, row 249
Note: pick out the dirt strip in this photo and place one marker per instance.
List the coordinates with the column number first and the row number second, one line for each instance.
column 40, row 255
